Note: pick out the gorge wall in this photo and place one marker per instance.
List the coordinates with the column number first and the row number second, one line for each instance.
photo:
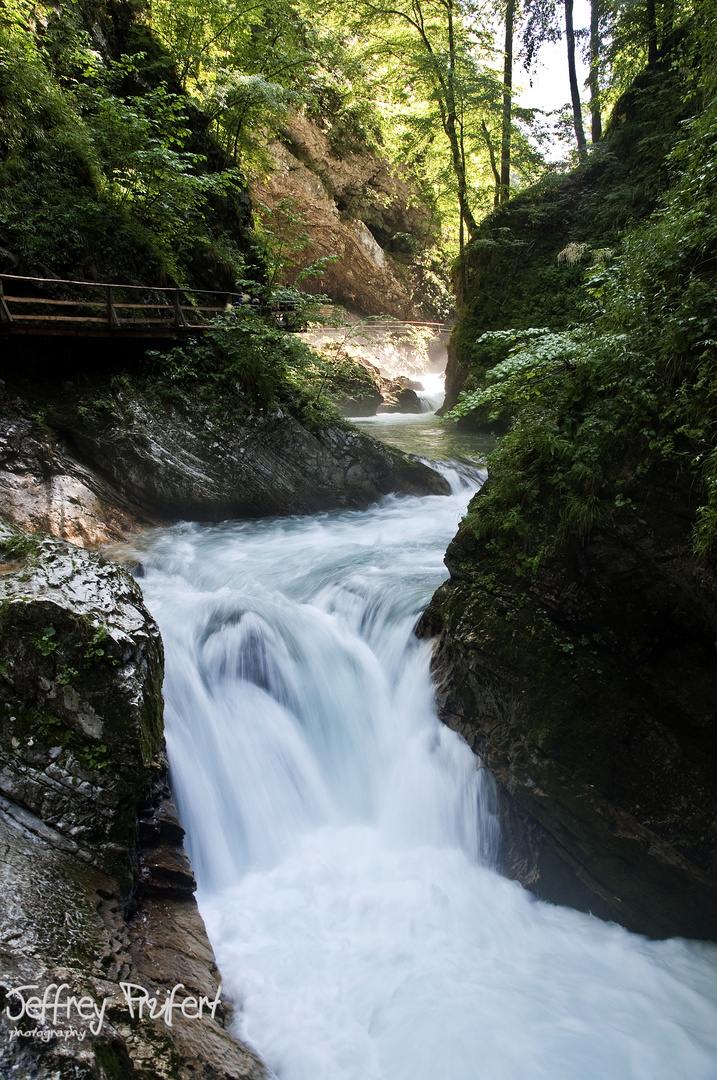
column 589, row 692
column 576, row 648
column 526, row 265
column 357, row 209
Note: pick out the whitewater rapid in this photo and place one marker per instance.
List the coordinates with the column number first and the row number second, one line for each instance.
column 345, row 841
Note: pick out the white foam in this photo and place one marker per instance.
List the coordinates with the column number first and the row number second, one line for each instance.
column 343, row 838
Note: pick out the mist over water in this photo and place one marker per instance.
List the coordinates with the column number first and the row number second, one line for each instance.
column 344, row 840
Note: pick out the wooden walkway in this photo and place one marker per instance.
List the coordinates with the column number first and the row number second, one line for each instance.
column 48, row 306
column 51, row 307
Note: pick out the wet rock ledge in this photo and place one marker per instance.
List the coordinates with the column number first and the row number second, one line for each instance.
column 91, row 466
column 95, row 886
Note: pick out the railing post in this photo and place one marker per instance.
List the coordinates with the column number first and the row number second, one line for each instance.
column 112, row 320
column 5, row 315
column 179, row 319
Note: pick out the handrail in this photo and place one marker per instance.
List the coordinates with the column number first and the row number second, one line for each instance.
column 170, row 303
column 117, row 285
column 112, row 298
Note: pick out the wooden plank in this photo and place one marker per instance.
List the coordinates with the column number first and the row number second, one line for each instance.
column 152, row 307
column 60, row 318
column 111, row 313
column 100, row 303
column 59, row 303
column 5, row 315
column 169, row 333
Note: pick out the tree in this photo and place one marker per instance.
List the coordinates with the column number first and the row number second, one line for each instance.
column 437, row 42
column 572, row 75
column 507, row 125
column 594, row 76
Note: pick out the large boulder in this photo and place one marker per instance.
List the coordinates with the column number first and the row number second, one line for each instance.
column 589, row 689
column 93, row 467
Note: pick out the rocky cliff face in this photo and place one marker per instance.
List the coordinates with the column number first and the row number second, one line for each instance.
column 346, row 204
column 96, row 886
column 589, row 690
column 91, row 468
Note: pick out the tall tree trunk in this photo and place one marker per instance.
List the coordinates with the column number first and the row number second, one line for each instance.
column 449, row 126
column 493, row 165
column 651, row 33
column 572, row 72
column 594, row 78
column 452, row 129
column 507, row 102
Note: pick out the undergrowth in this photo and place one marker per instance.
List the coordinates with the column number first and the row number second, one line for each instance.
column 244, row 367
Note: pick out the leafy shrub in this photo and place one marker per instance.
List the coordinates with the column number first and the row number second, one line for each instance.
column 241, row 366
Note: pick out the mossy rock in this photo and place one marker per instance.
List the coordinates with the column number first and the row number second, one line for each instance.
column 81, row 730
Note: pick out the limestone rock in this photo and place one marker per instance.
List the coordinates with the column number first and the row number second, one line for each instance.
column 98, row 475
column 347, row 201
column 95, row 885
column 590, row 692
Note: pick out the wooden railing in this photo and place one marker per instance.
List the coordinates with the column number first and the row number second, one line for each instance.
column 52, row 306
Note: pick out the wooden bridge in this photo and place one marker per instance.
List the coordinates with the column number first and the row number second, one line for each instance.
column 50, row 306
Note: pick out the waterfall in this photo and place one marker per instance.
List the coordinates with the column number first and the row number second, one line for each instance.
column 344, row 840
column 433, row 393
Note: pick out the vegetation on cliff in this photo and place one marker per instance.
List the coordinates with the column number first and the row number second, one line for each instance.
column 578, row 626
column 613, row 376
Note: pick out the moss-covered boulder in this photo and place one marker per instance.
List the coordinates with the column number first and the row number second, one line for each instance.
column 81, row 668
column 589, row 687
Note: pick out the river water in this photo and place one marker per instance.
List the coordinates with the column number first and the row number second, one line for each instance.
column 344, row 840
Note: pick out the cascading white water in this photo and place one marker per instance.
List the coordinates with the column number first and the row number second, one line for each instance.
column 433, row 393
column 343, row 838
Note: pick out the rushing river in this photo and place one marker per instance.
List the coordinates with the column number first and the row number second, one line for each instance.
column 344, row 839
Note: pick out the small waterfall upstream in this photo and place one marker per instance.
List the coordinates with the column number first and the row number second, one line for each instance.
column 344, row 840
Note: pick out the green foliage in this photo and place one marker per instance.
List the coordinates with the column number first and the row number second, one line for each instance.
column 598, row 408
column 93, row 649
column 20, row 546
column 95, row 176
column 93, row 757
column 526, row 267
column 241, row 367
column 47, row 644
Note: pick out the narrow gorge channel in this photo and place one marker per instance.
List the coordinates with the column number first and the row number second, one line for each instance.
column 344, row 840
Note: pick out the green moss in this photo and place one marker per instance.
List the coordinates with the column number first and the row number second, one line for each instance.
column 21, row 546
column 113, row 1059
column 514, row 276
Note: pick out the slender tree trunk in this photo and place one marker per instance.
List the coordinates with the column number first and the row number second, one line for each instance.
column 572, row 72
column 651, row 33
column 451, row 128
column 493, row 165
column 594, row 78
column 460, row 174
column 507, row 102
column 668, row 18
